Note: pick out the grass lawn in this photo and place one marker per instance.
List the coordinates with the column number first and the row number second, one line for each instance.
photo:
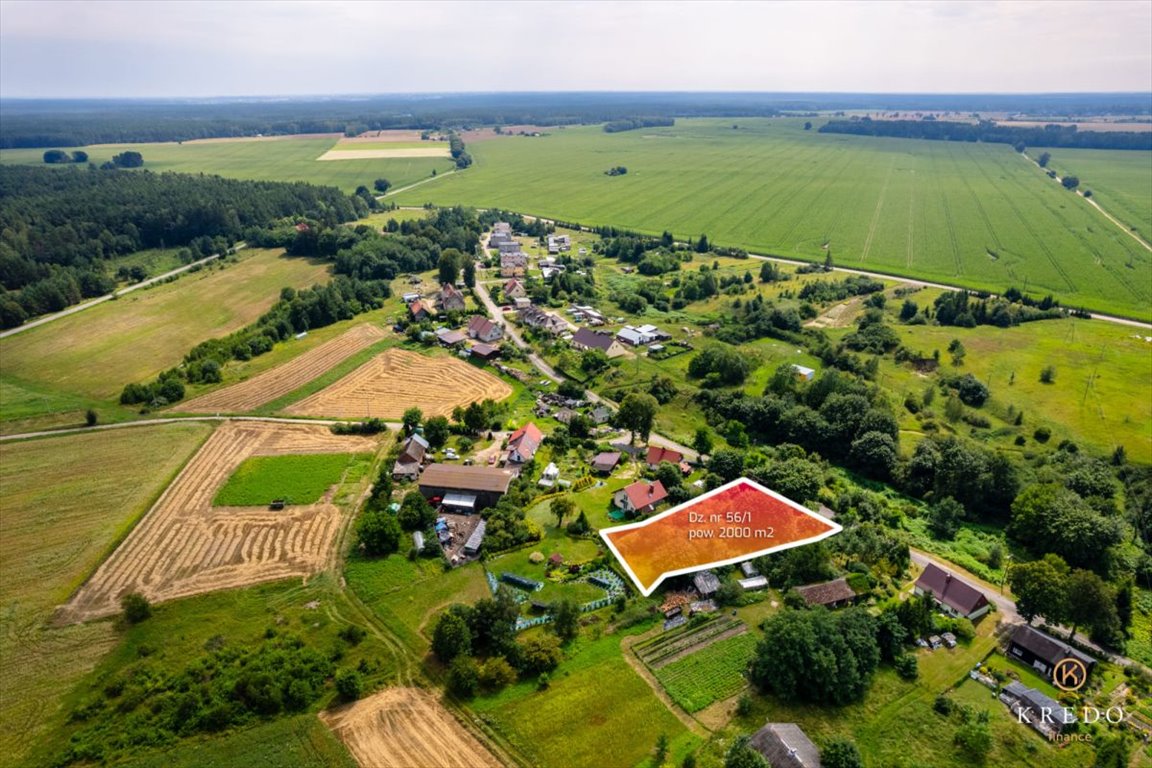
column 282, row 159
column 710, row 674
column 596, row 711
column 96, row 352
column 978, row 215
column 156, row 261
column 573, row 551
column 66, row 502
column 298, row 479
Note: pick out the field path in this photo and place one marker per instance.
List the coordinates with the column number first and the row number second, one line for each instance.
column 173, row 420
column 689, row 722
column 115, row 294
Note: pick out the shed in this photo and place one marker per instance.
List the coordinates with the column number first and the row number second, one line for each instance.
column 706, row 583
column 476, row 540
column 605, row 462
column 755, row 582
column 833, row 593
column 803, row 372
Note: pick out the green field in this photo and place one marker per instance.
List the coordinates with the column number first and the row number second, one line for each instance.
column 710, row 674
column 1121, row 182
column 66, row 501
column 287, row 159
column 96, row 352
column 971, row 214
column 298, row 479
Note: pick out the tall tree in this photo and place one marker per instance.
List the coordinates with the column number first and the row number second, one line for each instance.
column 449, row 266
column 637, row 414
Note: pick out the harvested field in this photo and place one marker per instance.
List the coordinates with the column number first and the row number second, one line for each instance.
column 406, row 728
column 184, row 546
column 396, row 380
column 373, row 154
column 273, row 384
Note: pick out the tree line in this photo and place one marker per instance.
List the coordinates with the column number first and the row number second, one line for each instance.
column 990, row 132
column 634, row 123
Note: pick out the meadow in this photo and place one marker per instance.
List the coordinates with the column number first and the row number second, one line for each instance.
column 67, row 501
column 968, row 214
column 288, row 159
column 1121, row 182
column 94, row 353
column 299, row 479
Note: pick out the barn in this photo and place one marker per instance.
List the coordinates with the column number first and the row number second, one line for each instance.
column 465, row 489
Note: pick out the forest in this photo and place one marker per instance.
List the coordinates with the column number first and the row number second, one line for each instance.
column 987, row 131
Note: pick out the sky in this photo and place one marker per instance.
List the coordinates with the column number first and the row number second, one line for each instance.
column 204, row 48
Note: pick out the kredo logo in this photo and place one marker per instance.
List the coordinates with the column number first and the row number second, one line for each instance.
column 1070, row 674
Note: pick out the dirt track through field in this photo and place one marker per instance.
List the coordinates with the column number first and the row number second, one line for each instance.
column 406, row 728
column 396, row 380
column 273, row 384
column 184, row 546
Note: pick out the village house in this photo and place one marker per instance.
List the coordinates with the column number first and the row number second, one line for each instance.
column 585, row 339
column 513, row 289
column 483, row 329
column 784, row 745
column 658, row 454
column 559, row 244
column 534, row 317
column 605, row 462
column 523, row 443
column 513, row 264
column 419, row 311
column 550, row 476
column 640, row 498
column 833, row 594
column 508, row 246
column 410, row 297
column 407, row 466
column 601, row 415
column 954, row 596
column 1043, row 652
column 464, row 489
column 451, row 300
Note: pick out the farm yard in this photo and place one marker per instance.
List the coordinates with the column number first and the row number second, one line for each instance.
column 185, row 546
column 270, row 385
column 405, row 727
column 977, row 215
column 287, row 158
column 96, row 352
column 66, row 501
column 397, row 380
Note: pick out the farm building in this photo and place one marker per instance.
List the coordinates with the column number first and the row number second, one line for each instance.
column 449, row 337
column 605, row 462
column 784, row 745
column 410, row 297
column 419, row 310
column 523, row 302
column 748, row 569
column 1039, row 710
column 955, row 597
column 601, row 415
column 706, row 583
column 638, row 336
column 658, row 454
column 640, row 497
column 523, row 443
column 804, row 373
column 586, row 339
column 485, row 351
column 586, row 314
column 407, row 466
column 476, row 540
column 468, row 489
column 513, row 289
column 450, row 300
column 483, row 329
column 1042, row 651
column 753, row 582
column 833, row 594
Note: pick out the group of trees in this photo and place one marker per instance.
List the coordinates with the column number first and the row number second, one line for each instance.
column 989, row 132
column 720, row 364
column 634, row 123
column 57, row 156
column 459, row 154
column 1077, row 597
column 957, row 308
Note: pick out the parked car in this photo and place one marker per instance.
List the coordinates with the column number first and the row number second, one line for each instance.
column 450, row 454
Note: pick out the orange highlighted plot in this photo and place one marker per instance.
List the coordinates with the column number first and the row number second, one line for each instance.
column 735, row 522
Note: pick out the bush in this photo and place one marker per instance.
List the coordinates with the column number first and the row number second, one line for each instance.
column 353, row 634
column 1042, row 434
column 349, row 684
column 906, row 667
column 943, row 705
column 136, row 607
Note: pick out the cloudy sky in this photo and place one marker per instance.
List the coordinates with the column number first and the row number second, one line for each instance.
column 145, row 48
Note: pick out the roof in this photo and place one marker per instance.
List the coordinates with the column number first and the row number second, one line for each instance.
column 827, row 592
column 447, row 289
column 657, row 454
column 755, row 582
column 640, row 494
column 462, row 478
column 1030, row 698
column 706, row 582
column 526, row 440
column 630, row 335
column 484, row 350
column 414, row 447
column 477, row 537
column 1046, row 647
column 748, row 568
column 606, row 461
column 953, row 592
column 457, row 499
column 802, row 370
column 417, row 307
column 785, row 746
column 586, row 337
column 447, row 336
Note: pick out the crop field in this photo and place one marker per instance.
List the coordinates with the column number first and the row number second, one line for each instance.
column 287, row 159
column 96, row 352
column 299, row 479
column 977, row 215
column 704, row 676
column 396, row 380
column 1121, row 182
column 185, row 546
column 405, row 728
column 270, row 385
column 66, row 500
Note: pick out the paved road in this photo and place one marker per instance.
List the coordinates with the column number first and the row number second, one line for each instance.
column 176, row 420
column 89, row 304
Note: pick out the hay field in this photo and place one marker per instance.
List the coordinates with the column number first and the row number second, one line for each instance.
column 396, row 380
column 96, row 352
column 270, row 385
column 385, row 151
column 978, row 215
column 184, row 546
column 64, row 501
column 406, row 728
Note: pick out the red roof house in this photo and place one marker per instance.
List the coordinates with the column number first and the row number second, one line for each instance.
column 640, row 497
column 523, row 443
column 657, row 454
